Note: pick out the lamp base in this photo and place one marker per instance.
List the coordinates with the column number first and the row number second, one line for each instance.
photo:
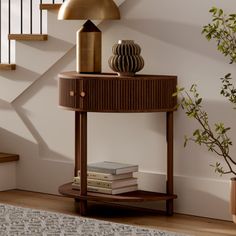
column 89, row 44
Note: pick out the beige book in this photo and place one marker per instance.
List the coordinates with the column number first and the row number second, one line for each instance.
column 105, row 176
column 112, row 184
column 107, row 190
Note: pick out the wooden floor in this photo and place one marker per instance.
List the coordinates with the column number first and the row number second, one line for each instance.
column 179, row 223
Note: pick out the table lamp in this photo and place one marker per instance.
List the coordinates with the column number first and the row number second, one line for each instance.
column 89, row 37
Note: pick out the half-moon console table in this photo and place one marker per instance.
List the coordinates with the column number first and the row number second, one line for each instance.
column 84, row 93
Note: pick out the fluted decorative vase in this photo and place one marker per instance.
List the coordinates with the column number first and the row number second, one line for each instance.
column 126, row 60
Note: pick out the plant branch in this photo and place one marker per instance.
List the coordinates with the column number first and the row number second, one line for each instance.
column 216, row 141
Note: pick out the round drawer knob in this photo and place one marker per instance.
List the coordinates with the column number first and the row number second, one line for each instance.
column 72, row 93
column 82, row 94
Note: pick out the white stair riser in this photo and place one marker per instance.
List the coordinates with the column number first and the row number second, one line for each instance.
column 7, row 176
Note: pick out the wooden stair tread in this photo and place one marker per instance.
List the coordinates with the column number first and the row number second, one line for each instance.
column 45, row 6
column 6, row 157
column 28, row 37
column 4, row 66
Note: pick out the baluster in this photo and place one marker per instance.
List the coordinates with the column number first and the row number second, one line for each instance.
column 31, row 17
column 41, row 19
column 0, row 31
column 21, row 16
column 9, row 31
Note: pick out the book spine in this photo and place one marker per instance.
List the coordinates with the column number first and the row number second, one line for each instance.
column 95, row 175
column 107, row 177
column 102, row 170
column 126, row 170
column 93, row 189
column 100, row 190
column 94, row 182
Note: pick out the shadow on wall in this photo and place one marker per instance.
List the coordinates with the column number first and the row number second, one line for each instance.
column 187, row 37
column 11, row 142
column 4, row 105
column 20, row 74
column 43, row 148
column 33, row 172
column 53, row 44
column 47, row 79
column 31, row 149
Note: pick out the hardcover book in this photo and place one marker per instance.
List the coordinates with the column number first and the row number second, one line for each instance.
column 108, row 184
column 112, row 167
column 107, row 190
column 105, row 176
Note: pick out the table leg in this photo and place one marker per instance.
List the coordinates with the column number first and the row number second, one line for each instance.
column 81, row 155
column 170, row 178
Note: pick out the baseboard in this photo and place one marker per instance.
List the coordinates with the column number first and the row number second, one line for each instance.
column 196, row 196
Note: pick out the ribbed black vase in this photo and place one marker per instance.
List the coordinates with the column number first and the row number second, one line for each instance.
column 126, row 60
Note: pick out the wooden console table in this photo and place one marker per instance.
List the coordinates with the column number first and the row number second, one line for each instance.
column 84, row 93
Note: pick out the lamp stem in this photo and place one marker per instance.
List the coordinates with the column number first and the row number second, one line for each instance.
column 89, row 44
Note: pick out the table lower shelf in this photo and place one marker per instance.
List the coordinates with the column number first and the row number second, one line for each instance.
column 136, row 196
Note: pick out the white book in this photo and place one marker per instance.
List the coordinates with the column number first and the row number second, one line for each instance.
column 105, row 176
column 107, row 190
column 107, row 183
column 112, row 167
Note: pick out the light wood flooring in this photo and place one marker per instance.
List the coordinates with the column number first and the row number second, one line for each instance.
column 179, row 223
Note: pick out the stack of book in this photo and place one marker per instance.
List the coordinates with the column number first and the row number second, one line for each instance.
column 109, row 178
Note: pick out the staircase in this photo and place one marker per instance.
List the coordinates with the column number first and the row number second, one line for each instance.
column 39, row 57
column 8, row 161
column 8, row 65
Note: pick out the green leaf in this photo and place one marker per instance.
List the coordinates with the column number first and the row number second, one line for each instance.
column 185, row 141
column 220, row 12
column 175, row 94
column 198, row 101
column 196, row 132
column 213, row 10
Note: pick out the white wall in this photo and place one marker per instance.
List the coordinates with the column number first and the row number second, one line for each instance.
column 169, row 32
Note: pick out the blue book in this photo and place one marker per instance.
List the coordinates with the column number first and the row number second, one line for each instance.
column 112, row 167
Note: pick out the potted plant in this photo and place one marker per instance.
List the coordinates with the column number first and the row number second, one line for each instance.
column 215, row 137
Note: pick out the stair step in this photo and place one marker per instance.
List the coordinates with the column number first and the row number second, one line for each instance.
column 28, row 37
column 45, row 6
column 6, row 157
column 7, row 66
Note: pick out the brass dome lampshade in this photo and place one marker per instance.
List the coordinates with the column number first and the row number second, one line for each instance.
column 89, row 37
